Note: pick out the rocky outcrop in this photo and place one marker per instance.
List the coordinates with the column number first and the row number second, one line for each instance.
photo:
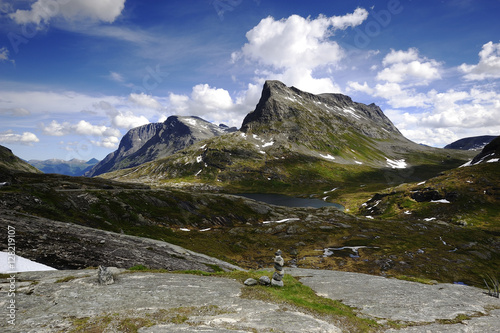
column 489, row 154
column 69, row 246
column 154, row 141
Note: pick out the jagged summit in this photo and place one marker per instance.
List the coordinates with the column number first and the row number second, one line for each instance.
column 283, row 109
column 152, row 141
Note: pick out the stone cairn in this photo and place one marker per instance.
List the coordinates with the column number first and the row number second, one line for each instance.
column 104, row 276
column 278, row 270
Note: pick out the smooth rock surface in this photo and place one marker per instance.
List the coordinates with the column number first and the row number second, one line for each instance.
column 45, row 305
column 406, row 301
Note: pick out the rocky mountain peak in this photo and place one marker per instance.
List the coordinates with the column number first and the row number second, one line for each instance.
column 152, row 141
column 288, row 110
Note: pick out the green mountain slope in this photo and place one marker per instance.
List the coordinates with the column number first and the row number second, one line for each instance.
column 11, row 163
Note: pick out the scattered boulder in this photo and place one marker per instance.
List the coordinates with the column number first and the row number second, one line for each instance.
column 250, row 282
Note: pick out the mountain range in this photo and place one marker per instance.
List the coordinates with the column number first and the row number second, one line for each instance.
column 295, row 138
column 73, row 167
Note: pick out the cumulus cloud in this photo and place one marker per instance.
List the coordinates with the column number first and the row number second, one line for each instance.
column 212, row 104
column 9, row 137
column 83, row 127
column 409, row 67
column 488, row 66
column 144, row 100
column 294, row 47
column 128, row 120
column 42, row 11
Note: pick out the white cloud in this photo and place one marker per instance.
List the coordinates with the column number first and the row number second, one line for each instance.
column 213, row 104
column 409, row 67
column 296, row 49
column 83, row 127
column 297, row 41
column 108, row 142
column 144, row 100
column 128, row 120
column 42, row 11
column 488, row 66
column 9, row 137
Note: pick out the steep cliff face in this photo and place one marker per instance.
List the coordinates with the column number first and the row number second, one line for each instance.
column 129, row 144
column 152, row 141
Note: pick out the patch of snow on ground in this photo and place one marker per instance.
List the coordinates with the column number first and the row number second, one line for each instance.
column 184, row 229
column 262, row 152
column 329, row 157
column 324, row 198
column 396, row 164
column 199, row 159
column 281, row 221
column 207, row 229
column 493, row 160
column 204, row 146
column 196, row 175
column 190, row 121
column 407, row 212
column 466, row 164
column 351, row 112
column 421, row 183
column 20, row 264
column 267, row 144
column 429, row 219
column 358, row 162
column 369, row 217
column 441, row 201
column 333, row 189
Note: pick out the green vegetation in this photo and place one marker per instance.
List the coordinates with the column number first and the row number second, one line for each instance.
column 66, row 279
column 131, row 322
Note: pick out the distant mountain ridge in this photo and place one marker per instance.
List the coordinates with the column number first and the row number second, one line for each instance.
column 294, row 137
column 153, row 141
column 471, row 143
column 73, row 167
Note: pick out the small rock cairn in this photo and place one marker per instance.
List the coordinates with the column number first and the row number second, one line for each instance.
column 278, row 270
column 104, row 276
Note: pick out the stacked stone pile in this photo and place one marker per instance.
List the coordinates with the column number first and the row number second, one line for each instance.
column 278, row 270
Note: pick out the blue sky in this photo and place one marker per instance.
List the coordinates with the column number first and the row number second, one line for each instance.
column 75, row 75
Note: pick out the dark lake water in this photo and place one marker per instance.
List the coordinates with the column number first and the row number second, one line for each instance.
column 287, row 201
